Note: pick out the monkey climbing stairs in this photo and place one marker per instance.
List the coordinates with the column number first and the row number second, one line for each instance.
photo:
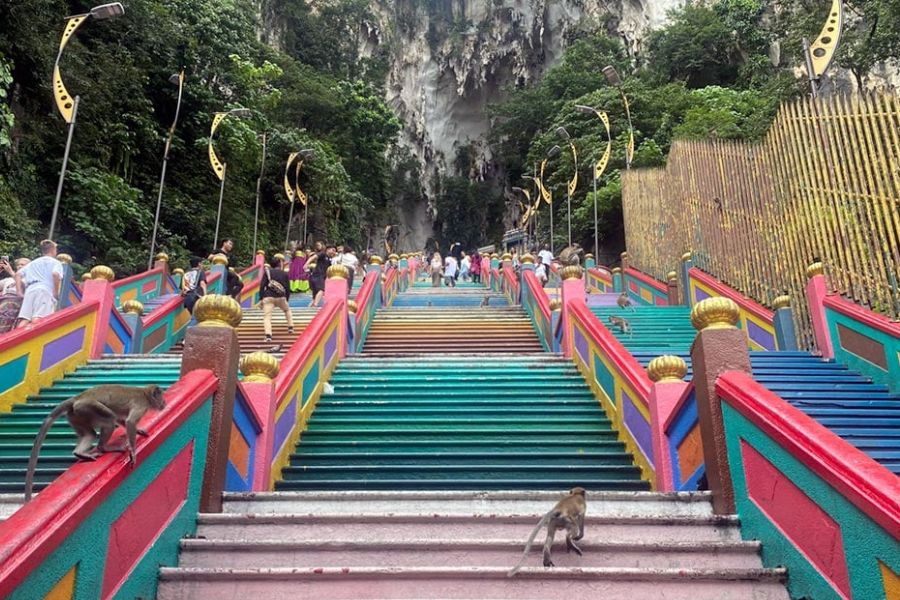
column 19, row 427
column 864, row 413
column 361, row 545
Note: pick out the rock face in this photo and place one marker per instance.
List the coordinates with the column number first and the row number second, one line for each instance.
column 450, row 58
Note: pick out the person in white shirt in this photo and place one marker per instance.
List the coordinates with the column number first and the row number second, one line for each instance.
column 450, row 269
column 546, row 256
column 349, row 260
column 540, row 270
column 464, row 265
column 39, row 284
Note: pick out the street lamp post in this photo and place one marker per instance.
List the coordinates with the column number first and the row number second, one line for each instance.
column 262, row 169
column 612, row 77
column 599, row 166
column 68, row 106
column 295, row 191
column 547, row 194
column 573, row 183
column 218, row 166
column 175, row 79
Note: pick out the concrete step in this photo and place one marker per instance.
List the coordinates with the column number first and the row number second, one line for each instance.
column 471, row 582
column 261, row 554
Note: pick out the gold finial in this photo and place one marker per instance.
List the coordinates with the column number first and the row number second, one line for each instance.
column 133, row 307
column 260, row 252
column 817, row 268
column 527, row 259
column 64, row 258
column 337, row 272
column 178, row 272
column 162, row 257
column 506, row 256
column 351, row 306
column 376, row 260
column 783, row 301
column 259, row 367
column 393, row 257
column 216, row 310
column 588, row 255
column 555, row 304
column 616, row 270
column 686, row 256
column 715, row 313
column 571, row 272
column 404, row 256
column 278, row 256
column 495, row 256
column 86, row 276
column 299, row 254
column 102, row 272
column 220, row 259
column 667, row 368
column 624, row 256
column 671, row 275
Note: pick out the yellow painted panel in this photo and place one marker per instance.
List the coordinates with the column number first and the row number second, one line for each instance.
column 891, row 582
column 65, row 587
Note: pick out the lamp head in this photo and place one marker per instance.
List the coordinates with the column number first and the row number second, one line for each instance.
column 588, row 110
column 174, row 78
column 553, row 152
column 612, row 76
column 107, row 11
column 308, row 154
column 561, row 132
column 240, row 112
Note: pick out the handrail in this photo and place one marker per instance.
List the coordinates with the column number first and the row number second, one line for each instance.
column 364, row 296
column 613, row 348
column 66, row 315
column 538, row 293
column 862, row 314
column 601, row 273
column 677, row 408
column 387, row 288
column 647, row 280
column 865, row 483
column 137, row 277
column 302, row 348
column 748, row 304
column 33, row 532
column 163, row 310
column 509, row 277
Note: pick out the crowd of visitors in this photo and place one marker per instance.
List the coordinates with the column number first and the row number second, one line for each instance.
column 462, row 266
column 29, row 289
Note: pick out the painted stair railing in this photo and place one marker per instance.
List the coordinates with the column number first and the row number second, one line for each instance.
column 103, row 528
column 821, row 508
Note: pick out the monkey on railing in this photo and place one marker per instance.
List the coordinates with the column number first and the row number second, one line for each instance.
column 103, row 408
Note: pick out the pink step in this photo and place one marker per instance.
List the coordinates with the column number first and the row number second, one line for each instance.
column 471, row 582
column 257, row 553
column 374, row 528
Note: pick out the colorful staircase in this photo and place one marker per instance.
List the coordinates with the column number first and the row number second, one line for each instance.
column 442, row 329
column 19, row 427
column 484, row 422
column 363, row 545
column 864, row 413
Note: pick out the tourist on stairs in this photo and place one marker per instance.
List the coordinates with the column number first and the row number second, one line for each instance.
column 465, row 267
column 298, row 275
column 275, row 290
column 437, row 267
column 193, row 284
column 38, row 283
column 318, row 268
column 475, row 267
column 450, row 271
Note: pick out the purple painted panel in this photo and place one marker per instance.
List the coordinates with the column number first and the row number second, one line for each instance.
column 699, row 295
column 760, row 336
column 62, row 348
column 581, row 345
column 330, row 347
column 285, row 424
column 638, row 426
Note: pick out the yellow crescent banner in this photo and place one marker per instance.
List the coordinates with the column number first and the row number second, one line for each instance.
column 300, row 195
column 288, row 189
column 217, row 166
column 600, row 167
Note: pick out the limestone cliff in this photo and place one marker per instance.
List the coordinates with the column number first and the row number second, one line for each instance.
column 450, row 58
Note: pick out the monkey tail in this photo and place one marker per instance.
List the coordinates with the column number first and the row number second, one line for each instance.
column 542, row 523
column 56, row 413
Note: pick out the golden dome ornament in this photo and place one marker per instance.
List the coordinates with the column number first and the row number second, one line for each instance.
column 715, row 313
column 259, row 367
column 133, row 307
column 217, row 310
column 103, row 272
column 571, row 272
column 337, row 272
column 667, row 368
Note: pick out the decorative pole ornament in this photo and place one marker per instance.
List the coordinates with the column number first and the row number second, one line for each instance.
column 295, row 193
column 820, row 53
column 218, row 167
column 177, row 79
column 548, row 196
column 67, row 106
column 573, row 183
column 612, row 77
column 599, row 167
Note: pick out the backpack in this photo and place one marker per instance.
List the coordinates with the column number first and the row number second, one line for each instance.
column 273, row 287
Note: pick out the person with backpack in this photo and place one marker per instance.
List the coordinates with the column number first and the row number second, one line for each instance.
column 193, row 284
column 275, row 290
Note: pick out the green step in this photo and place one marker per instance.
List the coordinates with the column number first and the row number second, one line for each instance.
column 450, row 458
column 543, row 483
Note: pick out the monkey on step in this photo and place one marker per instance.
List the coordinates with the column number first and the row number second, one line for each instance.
column 568, row 514
column 622, row 323
column 486, row 301
column 102, row 408
column 624, row 301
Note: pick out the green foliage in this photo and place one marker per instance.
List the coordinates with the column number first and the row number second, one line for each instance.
column 313, row 94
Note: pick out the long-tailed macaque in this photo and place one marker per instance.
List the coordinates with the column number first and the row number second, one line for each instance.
column 103, row 408
column 568, row 514
column 621, row 323
column 624, row 301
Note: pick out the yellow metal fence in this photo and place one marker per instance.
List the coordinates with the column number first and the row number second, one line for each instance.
column 823, row 185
